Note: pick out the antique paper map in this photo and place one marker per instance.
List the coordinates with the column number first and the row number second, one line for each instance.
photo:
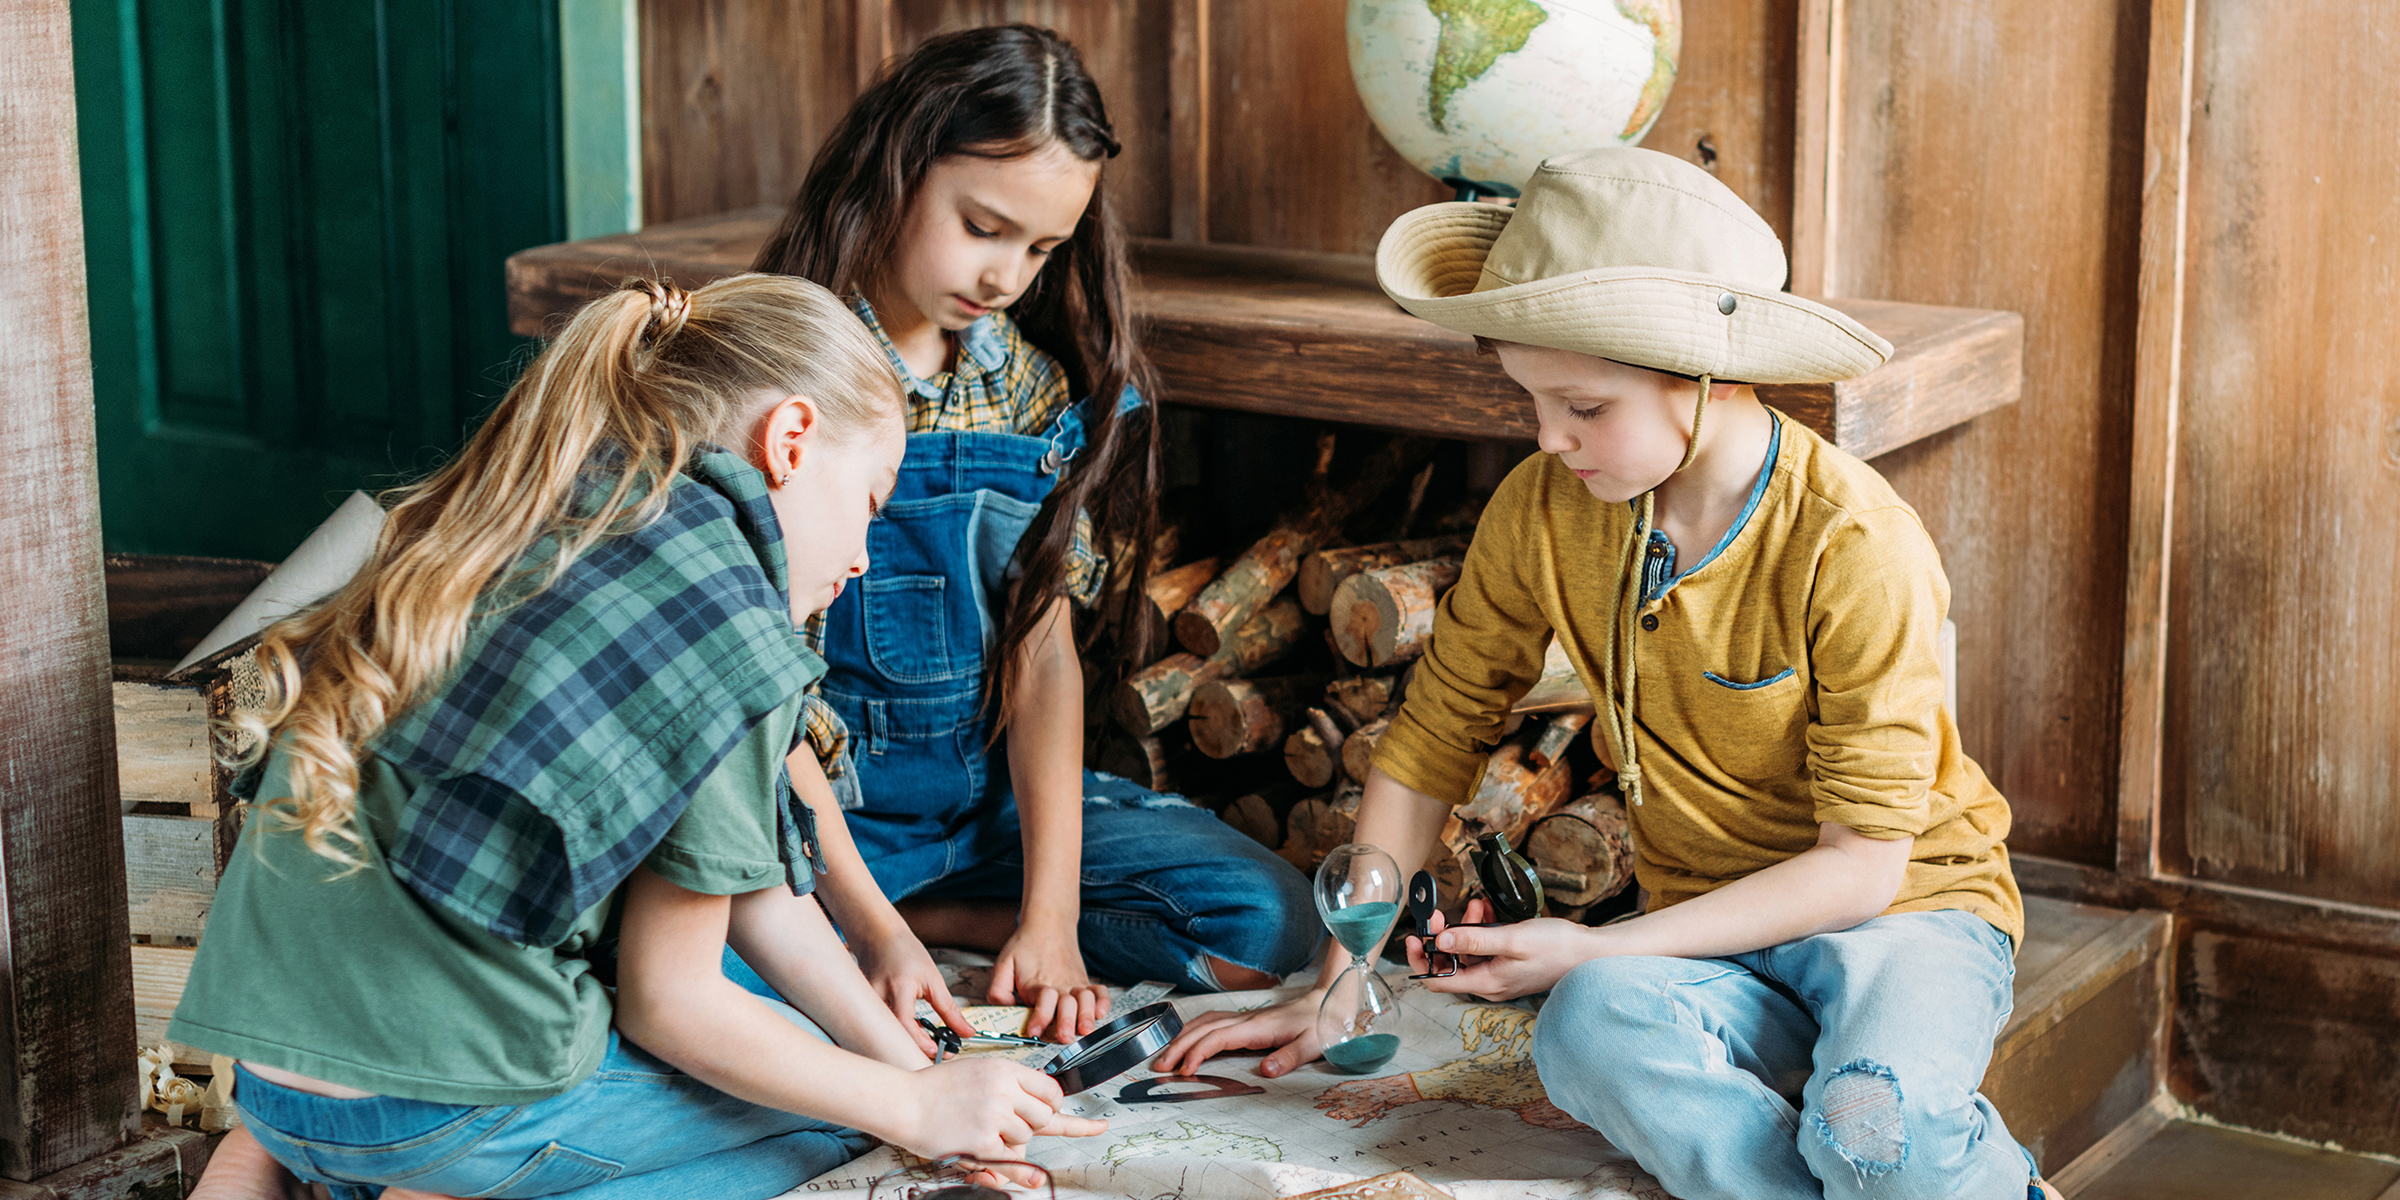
column 1460, row 1107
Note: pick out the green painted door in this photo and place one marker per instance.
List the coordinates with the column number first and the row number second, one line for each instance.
column 296, row 214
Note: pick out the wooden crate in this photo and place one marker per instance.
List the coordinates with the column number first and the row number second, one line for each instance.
column 180, row 822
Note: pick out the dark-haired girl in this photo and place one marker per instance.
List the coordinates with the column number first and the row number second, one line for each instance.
column 961, row 206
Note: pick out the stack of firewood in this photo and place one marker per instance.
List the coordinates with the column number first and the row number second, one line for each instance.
column 1288, row 662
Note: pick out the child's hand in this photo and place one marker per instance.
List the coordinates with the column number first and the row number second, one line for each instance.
column 1042, row 969
column 901, row 972
column 1289, row 1029
column 987, row 1107
column 1503, row 962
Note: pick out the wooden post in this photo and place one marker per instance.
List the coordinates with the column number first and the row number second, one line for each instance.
column 1188, row 83
column 67, row 1089
column 1816, row 159
column 2157, row 401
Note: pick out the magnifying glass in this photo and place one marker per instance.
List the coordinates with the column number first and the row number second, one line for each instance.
column 1114, row 1048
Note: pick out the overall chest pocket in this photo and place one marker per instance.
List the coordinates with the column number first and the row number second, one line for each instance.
column 1756, row 729
column 909, row 639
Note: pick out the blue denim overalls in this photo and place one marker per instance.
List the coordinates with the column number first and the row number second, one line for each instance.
column 1166, row 885
column 905, row 648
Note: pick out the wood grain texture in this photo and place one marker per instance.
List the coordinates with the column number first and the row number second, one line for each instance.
column 2288, row 1037
column 736, row 96
column 66, row 1084
column 162, row 747
column 159, row 976
column 2282, row 742
column 1310, row 335
column 1816, row 152
column 1976, row 172
column 1732, row 109
column 1188, row 124
column 170, row 876
column 2158, row 353
column 1294, row 163
column 161, row 605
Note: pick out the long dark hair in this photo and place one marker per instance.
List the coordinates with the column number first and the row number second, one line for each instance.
column 1003, row 92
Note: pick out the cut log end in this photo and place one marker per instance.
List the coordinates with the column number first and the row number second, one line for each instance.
column 1358, row 750
column 1197, row 634
column 1310, row 760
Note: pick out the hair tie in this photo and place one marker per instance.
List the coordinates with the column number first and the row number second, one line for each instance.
column 670, row 307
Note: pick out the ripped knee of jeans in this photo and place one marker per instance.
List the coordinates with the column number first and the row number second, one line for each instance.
column 1859, row 1116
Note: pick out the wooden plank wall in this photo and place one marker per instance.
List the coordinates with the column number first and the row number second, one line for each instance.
column 1974, row 175
column 737, row 94
column 2279, row 764
column 2282, row 747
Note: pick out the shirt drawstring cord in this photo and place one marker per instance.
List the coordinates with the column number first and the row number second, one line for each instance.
column 1617, row 707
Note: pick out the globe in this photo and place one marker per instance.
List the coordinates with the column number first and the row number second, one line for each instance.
column 1477, row 93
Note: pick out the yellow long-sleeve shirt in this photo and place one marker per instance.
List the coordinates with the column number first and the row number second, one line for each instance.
column 1789, row 681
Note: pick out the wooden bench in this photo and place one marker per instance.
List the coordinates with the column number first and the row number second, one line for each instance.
column 1311, row 335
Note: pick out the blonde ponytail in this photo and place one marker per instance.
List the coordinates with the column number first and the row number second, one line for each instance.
column 584, row 446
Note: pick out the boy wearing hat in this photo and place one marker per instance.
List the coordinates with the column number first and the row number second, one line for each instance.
column 1809, row 1002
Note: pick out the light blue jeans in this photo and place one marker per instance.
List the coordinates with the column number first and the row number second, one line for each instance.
column 1841, row 1065
column 635, row 1127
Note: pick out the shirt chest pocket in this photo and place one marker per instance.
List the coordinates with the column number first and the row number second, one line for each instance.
column 1755, row 729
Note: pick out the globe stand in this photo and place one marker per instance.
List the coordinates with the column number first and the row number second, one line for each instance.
column 1470, row 191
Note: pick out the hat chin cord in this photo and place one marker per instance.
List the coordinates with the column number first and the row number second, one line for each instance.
column 1617, row 705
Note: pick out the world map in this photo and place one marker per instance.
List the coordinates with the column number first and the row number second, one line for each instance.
column 1460, row 1105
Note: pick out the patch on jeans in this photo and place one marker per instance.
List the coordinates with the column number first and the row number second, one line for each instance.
column 1859, row 1116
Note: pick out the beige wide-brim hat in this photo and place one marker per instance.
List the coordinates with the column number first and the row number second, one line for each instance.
column 1630, row 255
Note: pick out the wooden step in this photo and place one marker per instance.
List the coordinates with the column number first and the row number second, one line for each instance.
column 2083, row 1052
column 2166, row 1157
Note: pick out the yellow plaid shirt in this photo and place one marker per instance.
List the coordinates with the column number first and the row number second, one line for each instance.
column 998, row 383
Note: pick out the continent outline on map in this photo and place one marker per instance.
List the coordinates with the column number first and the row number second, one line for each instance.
column 1499, row 1074
column 1474, row 34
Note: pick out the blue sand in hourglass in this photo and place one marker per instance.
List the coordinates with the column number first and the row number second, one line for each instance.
column 1364, row 1053
column 1360, row 926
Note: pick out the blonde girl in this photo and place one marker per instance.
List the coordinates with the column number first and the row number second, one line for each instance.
column 553, row 717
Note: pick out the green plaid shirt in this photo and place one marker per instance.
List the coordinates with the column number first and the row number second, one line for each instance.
column 581, row 719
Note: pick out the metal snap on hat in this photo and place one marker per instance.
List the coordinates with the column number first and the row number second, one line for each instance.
column 1630, row 255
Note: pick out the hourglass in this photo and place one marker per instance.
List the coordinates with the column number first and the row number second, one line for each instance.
column 1358, row 895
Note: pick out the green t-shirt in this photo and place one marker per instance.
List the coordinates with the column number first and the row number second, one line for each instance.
column 354, row 980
